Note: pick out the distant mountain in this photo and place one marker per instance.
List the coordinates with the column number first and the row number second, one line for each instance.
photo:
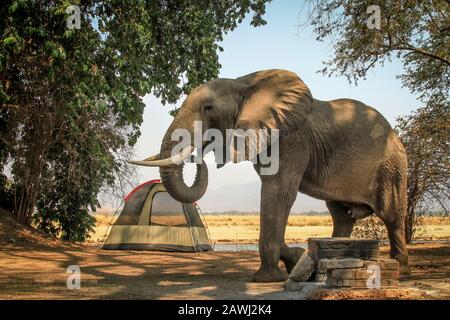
column 246, row 197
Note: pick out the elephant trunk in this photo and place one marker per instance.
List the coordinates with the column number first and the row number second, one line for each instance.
column 172, row 175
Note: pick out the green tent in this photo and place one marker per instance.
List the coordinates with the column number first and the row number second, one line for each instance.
column 152, row 220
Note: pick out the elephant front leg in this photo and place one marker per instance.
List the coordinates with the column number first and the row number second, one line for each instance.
column 278, row 193
column 276, row 202
column 270, row 240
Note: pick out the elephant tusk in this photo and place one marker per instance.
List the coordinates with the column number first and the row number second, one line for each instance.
column 152, row 158
column 174, row 160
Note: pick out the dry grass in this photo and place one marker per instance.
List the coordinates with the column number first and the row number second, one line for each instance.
column 105, row 217
column 104, row 220
column 245, row 228
column 436, row 220
column 253, row 220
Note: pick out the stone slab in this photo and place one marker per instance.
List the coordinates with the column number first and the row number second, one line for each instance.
column 301, row 290
column 338, row 248
column 304, row 269
column 364, row 254
column 342, row 243
column 344, row 263
column 291, row 285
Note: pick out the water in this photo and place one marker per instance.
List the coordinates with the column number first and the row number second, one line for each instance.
column 233, row 247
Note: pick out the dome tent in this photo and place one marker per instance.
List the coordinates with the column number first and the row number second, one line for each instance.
column 152, row 220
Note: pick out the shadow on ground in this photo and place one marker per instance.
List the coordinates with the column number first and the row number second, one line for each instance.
column 41, row 274
column 131, row 275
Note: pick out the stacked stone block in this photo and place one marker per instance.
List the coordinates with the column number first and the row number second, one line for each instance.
column 357, row 272
column 338, row 249
column 346, row 262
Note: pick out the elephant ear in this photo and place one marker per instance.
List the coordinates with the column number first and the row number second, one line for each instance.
column 271, row 99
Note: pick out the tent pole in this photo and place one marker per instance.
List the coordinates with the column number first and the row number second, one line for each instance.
column 206, row 224
column 189, row 227
column 111, row 223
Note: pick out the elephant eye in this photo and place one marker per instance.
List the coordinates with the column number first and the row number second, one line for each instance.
column 207, row 108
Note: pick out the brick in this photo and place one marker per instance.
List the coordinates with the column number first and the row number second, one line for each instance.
column 344, row 263
column 359, row 283
column 346, row 283
column 360, row 274
column 384, row 264
column 389, row 274
column 385, row 274
column 320, row 277
column 342, row 274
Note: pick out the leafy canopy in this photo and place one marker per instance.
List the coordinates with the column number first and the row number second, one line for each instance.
column 71, row 99
column 416, row 32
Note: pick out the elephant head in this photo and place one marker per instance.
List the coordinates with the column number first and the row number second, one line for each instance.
column 271, row 99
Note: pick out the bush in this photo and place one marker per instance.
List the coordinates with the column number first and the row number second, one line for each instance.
column 370, row 228
column 65, row 223
column 373, row 228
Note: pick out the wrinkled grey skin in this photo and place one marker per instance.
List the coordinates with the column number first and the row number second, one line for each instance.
column 342, row 151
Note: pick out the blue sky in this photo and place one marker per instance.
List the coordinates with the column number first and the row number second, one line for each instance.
column 279, row 44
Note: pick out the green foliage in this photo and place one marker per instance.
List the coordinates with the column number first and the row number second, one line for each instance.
column 65, row 222
column 71, row 100
column 417, row 32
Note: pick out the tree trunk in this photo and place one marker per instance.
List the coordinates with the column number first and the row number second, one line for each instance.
column 409, row 224
column 27, row 189
column 31, row 159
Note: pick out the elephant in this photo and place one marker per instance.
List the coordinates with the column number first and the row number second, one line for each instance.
column 341, row 151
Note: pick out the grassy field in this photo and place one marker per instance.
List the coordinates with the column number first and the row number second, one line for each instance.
column 245, row 228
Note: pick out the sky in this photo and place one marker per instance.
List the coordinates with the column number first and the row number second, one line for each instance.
column 280, row 44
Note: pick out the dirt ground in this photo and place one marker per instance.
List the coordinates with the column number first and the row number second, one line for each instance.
column 34, row 266
column 41, row 274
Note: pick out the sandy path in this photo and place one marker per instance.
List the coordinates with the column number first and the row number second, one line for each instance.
column 41, row 274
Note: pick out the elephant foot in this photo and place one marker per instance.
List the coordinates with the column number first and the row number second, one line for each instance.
column 290, row 256
column 404, row 269
column 269, row 275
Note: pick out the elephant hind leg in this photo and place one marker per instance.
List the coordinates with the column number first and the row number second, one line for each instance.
column 398, row 249
column 393, row 214
column 396, row 232
column 343, row 222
